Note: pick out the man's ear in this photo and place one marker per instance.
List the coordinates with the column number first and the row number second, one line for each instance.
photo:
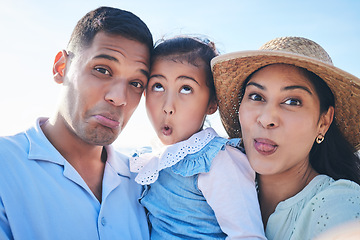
column 59, row 66
column 212, row 107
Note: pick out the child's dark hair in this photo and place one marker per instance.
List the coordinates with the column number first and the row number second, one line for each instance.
column 193, row 50
column 335, row 156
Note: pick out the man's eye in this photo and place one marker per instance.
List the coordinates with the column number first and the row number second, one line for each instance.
column 255, row 97
column 137, row 84
column 186, row 90
column 157, row 87
column 102, row 70
column 293, row 102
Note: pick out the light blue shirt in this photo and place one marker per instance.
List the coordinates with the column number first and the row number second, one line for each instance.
column 43, row 197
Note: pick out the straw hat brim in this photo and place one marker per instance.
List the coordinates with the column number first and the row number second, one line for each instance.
column 232, row 69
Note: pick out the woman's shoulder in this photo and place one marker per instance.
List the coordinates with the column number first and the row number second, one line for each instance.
column 336, row 202
column 339, row 198
column 336, row 193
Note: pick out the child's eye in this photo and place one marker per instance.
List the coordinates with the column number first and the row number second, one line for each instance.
column 157, row 87
column 256, row 97
column 102, row 70
column 186, row 90
column 293, row 102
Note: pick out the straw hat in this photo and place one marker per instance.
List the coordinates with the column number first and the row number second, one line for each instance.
column 231, row 70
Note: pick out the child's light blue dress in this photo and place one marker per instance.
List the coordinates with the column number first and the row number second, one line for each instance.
column 177, row 207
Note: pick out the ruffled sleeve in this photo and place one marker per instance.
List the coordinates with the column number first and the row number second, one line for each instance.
column 186, row 158
column 200, row 162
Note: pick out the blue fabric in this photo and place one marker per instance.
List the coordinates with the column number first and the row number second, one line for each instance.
column 43, row 197
column 200, row 162
column 175, row 198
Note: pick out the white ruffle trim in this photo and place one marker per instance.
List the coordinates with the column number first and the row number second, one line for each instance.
column 148, row 165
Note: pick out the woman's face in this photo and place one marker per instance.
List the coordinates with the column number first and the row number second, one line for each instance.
column 280, row 119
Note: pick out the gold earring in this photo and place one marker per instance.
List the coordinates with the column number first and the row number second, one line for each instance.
column 320, row 138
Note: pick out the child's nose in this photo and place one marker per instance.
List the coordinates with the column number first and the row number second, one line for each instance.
column 169, row 106
column 168, row 111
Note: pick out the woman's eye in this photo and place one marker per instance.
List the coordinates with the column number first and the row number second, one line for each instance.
column 102, row 70
column 255, row 97
column 293, row 102
column 157, row 87
column 186, row 90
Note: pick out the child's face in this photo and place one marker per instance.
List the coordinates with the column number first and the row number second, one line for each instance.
column 177, row 100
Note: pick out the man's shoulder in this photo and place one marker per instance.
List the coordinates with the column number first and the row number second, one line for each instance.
column 14, row 143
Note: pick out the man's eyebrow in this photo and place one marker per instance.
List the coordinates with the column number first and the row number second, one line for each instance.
column 111, row 58
column 108, row 57
column 146, row 73
column 298, row 87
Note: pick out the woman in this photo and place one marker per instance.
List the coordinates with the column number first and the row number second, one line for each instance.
column 285, row 97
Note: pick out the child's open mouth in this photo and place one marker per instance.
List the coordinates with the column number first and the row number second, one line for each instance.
column 166, row 130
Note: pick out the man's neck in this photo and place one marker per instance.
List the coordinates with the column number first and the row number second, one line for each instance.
column 87, row 159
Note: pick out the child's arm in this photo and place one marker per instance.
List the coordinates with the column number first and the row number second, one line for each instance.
column 229, row 188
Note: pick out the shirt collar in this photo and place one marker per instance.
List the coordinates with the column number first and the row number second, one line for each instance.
column 40, row 148
column 119, row 162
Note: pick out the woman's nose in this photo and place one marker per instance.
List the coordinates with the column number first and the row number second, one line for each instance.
column 269, row 118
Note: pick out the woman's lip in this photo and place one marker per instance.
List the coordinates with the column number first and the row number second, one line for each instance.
column 265, row 146
column 107, row 122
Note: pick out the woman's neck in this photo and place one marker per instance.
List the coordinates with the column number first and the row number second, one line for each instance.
column 276, row 188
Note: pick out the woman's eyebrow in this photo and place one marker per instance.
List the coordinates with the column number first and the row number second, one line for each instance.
column 256, row 85
column 298, row 87
column 287, row 88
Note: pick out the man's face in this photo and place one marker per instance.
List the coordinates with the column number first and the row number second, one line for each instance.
column 103, row 85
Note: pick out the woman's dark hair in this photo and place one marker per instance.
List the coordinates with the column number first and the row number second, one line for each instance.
column 335, row 156
column 193, row 50
column 112, row 21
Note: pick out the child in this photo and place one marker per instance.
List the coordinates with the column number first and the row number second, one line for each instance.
column 197, row 186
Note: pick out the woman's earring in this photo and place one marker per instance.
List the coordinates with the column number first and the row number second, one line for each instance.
column 320, row 138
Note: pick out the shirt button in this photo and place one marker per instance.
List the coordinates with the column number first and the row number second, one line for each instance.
column 103, row 221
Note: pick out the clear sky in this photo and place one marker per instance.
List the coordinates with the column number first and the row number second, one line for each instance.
column 34, row 31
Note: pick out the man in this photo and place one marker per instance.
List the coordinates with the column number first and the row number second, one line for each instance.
column 61, row 179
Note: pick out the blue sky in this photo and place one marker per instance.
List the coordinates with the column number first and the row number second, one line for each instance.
column 34, row 31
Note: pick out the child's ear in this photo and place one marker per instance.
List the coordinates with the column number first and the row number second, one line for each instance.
column 59, row 66
column 212, row 107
